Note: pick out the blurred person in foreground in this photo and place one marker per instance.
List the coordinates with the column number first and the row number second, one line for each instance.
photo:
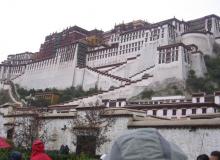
column 203, row 157
column 215, row 155
column 144, row 144
column 15, row 155
column 38, row 151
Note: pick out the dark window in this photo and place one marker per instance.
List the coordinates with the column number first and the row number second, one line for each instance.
column 193, row 111
column 168, row 57
column 204, row 110
column 154, row 112
column 176, row 55
column 174, row 112
column 197, row 100
column 183, row 112
column 112, row 104
column 164, row 112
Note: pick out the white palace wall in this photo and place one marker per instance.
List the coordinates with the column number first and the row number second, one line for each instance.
column 127, row 91
column 192, row 141
column 217, row 40
column 198, row 64
column 59, row 76
column 204, row 41
column 178, row 69
column 135, row 54
column 58, row 135
column 146, row 59
column 90, row 79
column 55, row 72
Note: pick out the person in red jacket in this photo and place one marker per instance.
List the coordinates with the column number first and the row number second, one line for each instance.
column 38, row 151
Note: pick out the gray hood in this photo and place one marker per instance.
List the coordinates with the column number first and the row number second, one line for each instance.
column 144, row 144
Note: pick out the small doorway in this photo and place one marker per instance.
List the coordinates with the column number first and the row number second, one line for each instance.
column 86, row 144
column 10, row 133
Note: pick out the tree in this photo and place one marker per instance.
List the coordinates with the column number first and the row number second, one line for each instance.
column 4, row 97
column 29, row 127
column 90, row 128
column 147, row 94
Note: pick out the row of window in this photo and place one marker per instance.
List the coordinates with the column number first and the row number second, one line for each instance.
column 23, row 56
column 209, row 24
column 168, row 55
column 131, row 45
column 183, row 111
column 15, row 62
column 130, row 50
column 41, row 64
column 171, row 32
column 177, row 26
column 186, row 57
column 64, row 57
column 154, row 35
column 217, row 24
column 102, row 52
column 131, row 38
column 102, row 56
column 17, row 70
column 70, row 48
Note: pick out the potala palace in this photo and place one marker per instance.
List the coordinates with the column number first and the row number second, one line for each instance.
column 129, row 57
column 121, row 63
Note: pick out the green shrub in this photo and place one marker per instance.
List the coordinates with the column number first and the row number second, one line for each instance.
column 4, row 97
column 147, row 94
column 5, row 153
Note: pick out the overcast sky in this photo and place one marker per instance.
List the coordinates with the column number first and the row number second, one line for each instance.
column 25, row 23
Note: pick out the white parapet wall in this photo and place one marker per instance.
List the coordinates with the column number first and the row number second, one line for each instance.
column 204, row 41
column 51, row 73
column 198, row 64
column 193, row 141
column 193, row 136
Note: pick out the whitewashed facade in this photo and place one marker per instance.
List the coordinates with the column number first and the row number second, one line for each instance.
column 194, row 135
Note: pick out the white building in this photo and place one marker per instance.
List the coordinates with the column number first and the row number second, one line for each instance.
column 132, row 51
column 195, row 135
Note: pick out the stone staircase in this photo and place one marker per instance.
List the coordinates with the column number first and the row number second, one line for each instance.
column 14, row 94
column 123, row 89
column 109, row 75
column 17, row 76
column 148, row 68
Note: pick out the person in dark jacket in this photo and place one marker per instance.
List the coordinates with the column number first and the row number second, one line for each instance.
column 203, row 157
column 66, row 149
column 38, row 151
column 15, row 155
column 62, row 148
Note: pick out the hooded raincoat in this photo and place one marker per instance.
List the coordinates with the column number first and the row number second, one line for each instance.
column 144, row 144
column 38, row 151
